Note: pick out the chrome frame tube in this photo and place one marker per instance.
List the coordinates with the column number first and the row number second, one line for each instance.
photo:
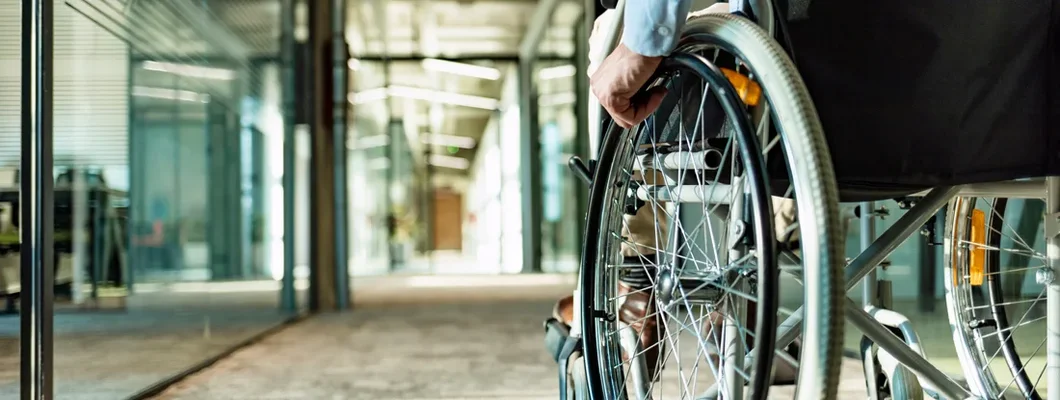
column 705, row 160
column 1019, row 189
column 732, row 334
column 867, row 223
column 903, row 353
column 1052, row 205
column 894, row 236
column 718, row 193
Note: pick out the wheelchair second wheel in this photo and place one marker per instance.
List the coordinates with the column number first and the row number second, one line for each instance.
column 996, row 306
column 711, row 223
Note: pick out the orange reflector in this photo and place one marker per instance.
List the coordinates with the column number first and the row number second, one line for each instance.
column 977, row 250
column 748, row 90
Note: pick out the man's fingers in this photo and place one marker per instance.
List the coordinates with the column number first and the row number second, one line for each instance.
column 655, row 98
column 619, row 108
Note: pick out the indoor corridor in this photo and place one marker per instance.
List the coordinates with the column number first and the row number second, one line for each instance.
column 382, row 199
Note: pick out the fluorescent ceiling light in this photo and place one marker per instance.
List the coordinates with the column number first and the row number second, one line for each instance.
column 455, row 99
column 170, row 94
column 444, row 161
column 562, row 71
column 462, row 142
column 430, row 95
column 368, row 96
column 455, row 68
column 192, row 71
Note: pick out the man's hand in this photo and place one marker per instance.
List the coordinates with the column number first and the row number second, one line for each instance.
column 620, row 77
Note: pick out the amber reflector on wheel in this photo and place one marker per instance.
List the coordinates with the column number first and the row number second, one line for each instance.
column 977, row 248
column 748, row 90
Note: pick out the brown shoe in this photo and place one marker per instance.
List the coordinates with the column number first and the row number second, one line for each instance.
column 564, row 310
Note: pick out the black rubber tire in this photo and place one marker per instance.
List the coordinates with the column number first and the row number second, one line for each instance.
column 807, row 156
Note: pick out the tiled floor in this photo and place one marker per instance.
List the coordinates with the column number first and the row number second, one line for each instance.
column 112, row 355
column 452, row 351
column 469, row 350
column 410, row 338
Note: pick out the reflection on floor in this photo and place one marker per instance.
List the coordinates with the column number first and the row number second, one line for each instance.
column 460, row 349
column 111, row 355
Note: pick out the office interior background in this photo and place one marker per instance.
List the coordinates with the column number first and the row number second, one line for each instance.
column 222, row 168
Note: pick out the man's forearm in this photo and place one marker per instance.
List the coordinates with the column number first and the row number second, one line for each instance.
column 652, row 27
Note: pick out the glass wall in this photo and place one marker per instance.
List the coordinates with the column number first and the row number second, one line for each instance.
column 10, row 113
column 371, row 223
column 555, row 79
column 493, row 210
column 168, row 160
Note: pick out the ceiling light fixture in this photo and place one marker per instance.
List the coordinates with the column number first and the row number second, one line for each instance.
column 191, row 71
column 562, row 71
column 455, row 68
column 430, row 95
column 462, row 142
column 444, row 161
column 368, row 95
column 450, row 98
column 170, row 94
column 369, row 142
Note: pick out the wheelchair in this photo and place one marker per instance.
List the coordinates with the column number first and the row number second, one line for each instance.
column 688, row 210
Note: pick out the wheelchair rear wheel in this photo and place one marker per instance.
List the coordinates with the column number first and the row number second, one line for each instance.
column 996, row 306
column 689, row 237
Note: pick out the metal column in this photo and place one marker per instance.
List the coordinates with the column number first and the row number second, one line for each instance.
column 529, row 135
column 287, row 82
column 340, row 71
column 323, row 293
column 36, row 201
column 530, row 168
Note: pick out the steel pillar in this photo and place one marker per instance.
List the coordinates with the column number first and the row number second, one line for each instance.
column 323, row 288
column 287, row 82
column 37, row 199
column 339, row 88
column 530, row 168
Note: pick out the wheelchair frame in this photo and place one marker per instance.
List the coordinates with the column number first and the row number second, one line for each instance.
column 867, row 317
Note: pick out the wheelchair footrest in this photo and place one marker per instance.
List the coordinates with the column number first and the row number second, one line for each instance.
column 558, row 341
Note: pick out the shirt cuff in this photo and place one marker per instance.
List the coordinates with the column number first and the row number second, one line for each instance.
column 652, row 27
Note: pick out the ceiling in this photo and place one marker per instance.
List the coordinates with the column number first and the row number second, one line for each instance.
column 484, row 33
column 201, row 32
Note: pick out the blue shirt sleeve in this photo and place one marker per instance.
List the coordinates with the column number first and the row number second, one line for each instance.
column 652, row 27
